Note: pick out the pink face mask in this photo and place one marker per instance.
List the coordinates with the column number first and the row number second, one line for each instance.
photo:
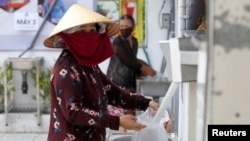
column 88, row 48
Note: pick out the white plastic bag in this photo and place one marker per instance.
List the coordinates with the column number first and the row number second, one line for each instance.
column 155, row 131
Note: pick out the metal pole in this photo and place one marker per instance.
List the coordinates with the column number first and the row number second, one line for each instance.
column 166, row 100
column 5, row 94
column 39, row 30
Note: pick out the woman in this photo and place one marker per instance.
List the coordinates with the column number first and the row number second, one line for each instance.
column 124, row 64
column 80, row 92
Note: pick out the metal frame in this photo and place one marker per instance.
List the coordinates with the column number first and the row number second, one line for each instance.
column 17, row 65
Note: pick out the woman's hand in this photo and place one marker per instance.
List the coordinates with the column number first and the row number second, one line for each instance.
column 147, row 70
column 129, row 122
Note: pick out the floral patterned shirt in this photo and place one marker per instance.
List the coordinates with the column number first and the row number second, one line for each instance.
column 79, row 99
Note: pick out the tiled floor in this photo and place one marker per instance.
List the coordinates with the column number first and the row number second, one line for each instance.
column 43, row 137
column 24, row 127
column 23, row 137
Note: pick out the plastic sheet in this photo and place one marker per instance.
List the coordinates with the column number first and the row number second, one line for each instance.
column 155, row 131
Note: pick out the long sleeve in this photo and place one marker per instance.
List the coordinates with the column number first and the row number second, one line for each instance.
column 124, row 98
column 79, row 100
column 70, row 93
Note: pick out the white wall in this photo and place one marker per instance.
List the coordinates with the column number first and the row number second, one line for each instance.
column 48, row 56
column 17, row 41
column 153, row 33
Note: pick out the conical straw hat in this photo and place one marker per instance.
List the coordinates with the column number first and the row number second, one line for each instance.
column 79, row 15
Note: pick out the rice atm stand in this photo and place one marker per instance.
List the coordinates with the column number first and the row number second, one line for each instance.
column 226, row 83
column 211, row 68
column 181, row 52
